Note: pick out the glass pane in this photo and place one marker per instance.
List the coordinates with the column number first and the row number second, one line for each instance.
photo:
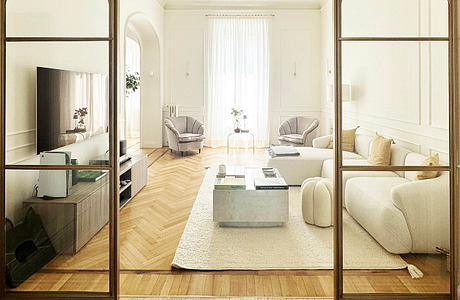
column 394, row 18
column 67, row 18
column 57, row 233
column 399, row 90
column 395, row 229
column 57, row 100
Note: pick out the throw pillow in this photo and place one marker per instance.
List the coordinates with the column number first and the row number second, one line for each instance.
column 348, row 140
column 381, row 151
column 431, row 161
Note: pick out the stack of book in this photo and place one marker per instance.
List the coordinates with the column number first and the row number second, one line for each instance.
column 230, row 183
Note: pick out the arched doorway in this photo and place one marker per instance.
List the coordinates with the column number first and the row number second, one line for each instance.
column 139, row 27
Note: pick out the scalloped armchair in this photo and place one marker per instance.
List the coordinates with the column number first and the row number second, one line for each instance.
column 298, row 131
column 184, row 134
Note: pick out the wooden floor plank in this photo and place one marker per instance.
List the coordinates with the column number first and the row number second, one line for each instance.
column 150, row 229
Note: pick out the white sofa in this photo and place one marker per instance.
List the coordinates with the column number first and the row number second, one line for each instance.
column 403, row 215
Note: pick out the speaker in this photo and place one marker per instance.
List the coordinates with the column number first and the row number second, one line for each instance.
column 123, row 147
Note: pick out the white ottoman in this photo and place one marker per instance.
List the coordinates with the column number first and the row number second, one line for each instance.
column 317, row 204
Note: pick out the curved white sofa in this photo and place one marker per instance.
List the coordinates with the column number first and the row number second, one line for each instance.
column 403, row 215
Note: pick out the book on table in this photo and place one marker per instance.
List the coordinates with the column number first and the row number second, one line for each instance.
column 270, row 183
column 230, row 183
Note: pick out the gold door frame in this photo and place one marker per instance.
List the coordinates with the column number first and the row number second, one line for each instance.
column 339, row 168
column 113, row 167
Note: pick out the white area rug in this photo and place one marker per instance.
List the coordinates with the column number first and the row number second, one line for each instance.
column 206, row 246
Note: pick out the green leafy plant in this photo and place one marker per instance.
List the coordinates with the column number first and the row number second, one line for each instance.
column 237, row 114
column 133, row 81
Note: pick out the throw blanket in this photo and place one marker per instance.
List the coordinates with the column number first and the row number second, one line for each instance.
column 278, row 150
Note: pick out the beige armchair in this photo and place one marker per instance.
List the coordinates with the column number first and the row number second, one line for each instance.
column 184, row 134
column 298, row 131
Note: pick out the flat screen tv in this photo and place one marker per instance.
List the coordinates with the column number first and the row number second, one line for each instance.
column 71, row 107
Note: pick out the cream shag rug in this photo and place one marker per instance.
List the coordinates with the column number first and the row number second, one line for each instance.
column 206, row 246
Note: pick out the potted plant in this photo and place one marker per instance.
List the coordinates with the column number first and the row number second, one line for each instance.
column 237, row 113
column 80, row 115
column 133, row 81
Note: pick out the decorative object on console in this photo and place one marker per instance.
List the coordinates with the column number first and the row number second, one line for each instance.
column 80, row 114
column 123, row 147
column 348, row 140
column 298, row 131
column 380, row 154
column 54, row 183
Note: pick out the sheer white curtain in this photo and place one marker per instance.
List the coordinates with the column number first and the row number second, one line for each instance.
column 238, row 76
column 133, row 100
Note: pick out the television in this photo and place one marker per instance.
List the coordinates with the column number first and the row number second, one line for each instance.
column 71, row 107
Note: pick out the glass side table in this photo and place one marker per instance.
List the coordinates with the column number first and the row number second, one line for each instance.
column 241, row 132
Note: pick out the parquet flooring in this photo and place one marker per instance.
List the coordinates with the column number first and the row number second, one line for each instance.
column 152, row 224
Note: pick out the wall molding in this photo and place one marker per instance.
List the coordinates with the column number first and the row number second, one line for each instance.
column 13, row 133
column 21, row 147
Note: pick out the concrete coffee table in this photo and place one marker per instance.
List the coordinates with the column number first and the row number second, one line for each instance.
column 251, row 207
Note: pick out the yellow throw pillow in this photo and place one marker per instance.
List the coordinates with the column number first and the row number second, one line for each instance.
column 348, row 140
column 381, row 151
column 431, row 161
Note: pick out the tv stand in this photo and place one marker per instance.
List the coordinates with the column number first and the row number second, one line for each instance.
column 73, row 221
column 134, row 170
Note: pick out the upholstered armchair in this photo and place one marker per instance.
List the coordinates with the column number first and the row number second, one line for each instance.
column 184, row 134
column 298, row 131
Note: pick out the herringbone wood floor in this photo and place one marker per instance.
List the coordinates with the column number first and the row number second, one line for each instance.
column 150, row 229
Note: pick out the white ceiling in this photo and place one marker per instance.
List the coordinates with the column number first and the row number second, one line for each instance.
column 242, row 4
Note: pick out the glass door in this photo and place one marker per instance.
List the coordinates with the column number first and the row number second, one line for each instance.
column 395, row 165
column 58, row 146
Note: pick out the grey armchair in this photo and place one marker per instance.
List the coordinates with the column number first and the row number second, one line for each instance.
column 184, row 134
column 298, row 131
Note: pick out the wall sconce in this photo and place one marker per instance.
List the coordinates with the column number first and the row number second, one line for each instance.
column 187, row 70
column 295, row 70
column 346, row 93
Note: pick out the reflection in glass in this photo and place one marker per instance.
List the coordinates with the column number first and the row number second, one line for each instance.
column 57, row 224
column 394, row 18
column 71, row 107
column 63, row 18
column 396, row 223
column 57, row 100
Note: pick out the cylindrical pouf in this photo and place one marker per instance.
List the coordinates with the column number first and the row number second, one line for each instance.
column 316, row 196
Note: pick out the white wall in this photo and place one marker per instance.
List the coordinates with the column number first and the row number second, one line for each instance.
column 144, row 16
column 399, row 89
column 295, row 40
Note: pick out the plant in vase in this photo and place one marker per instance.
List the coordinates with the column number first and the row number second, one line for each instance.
column 80, row 114
column 237, row 113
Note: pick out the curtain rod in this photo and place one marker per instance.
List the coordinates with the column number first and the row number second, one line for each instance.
column 242, row 15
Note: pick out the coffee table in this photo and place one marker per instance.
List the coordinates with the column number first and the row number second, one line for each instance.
column 251, row 207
